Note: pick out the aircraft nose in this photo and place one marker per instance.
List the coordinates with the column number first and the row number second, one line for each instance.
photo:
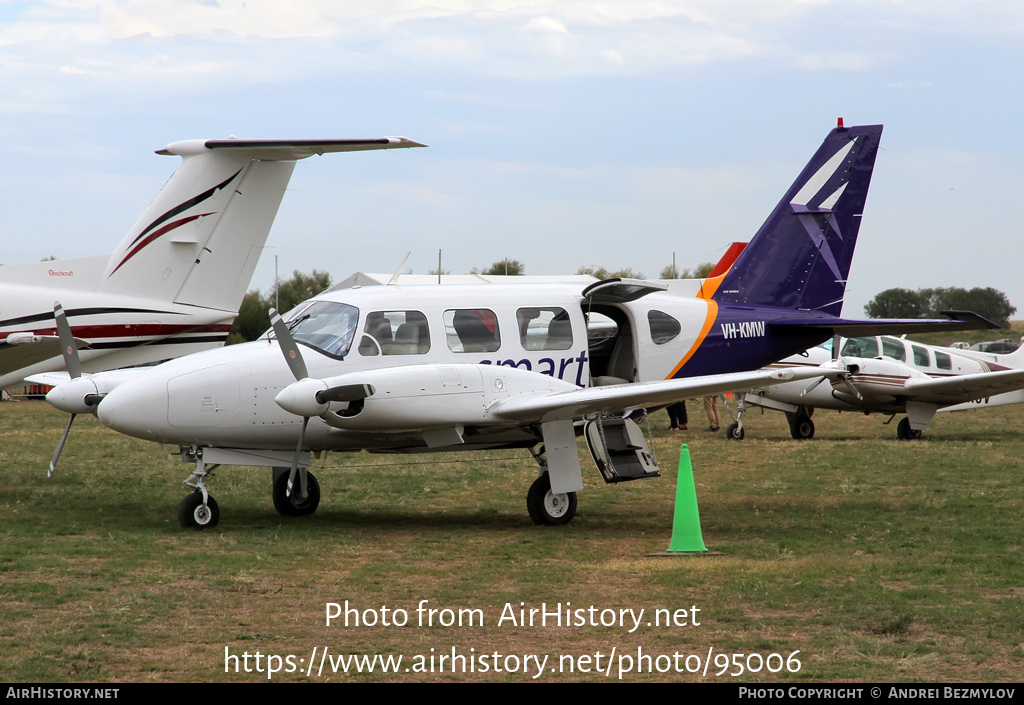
column 136, row 408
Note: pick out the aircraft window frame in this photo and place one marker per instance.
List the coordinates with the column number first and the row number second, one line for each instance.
column 860, row 347
column 333, row 335
column 895, row 346
column 943, row 361
column 472, row 330
column 535, row 325
column 664, row 330
column 919, row 353
column 382, row 330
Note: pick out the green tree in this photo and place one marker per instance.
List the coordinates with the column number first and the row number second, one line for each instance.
column 987, row 302
column 511, row 267
column 699, row 272
column 930, row 303
column 254, row 313
column 897, row 303
column 602, row 273
column 290, row 293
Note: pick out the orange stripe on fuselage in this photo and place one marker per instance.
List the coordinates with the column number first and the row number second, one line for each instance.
column 710, row 286
column 709, row 321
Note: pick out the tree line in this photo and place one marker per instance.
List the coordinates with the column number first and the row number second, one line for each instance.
column 930, row 303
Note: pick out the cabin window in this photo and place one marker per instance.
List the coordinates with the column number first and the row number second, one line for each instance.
column 860, row 347
column 893, row 347
column 326, row 326
column 921, row 357
column 472, row 330
column 943, row 361
column 544, row 328
column 663, row 327
column 395, row 333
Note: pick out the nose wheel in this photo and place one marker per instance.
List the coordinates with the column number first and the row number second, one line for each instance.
column 194, row 513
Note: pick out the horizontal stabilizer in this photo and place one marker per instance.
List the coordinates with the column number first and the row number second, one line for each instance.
column 854, row 328
column 274, row 150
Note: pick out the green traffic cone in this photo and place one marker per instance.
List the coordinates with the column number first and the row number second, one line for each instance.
column 686, row 533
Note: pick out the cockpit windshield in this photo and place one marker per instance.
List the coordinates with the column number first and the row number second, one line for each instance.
column 326, row 326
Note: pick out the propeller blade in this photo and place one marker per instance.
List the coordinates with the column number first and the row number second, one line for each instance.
column 835, row 346
column 295, row 463
column 67, row 342
column 60, row 447
column 853, row 390
column 289, row 347
column 345, row 392
column 814, row 384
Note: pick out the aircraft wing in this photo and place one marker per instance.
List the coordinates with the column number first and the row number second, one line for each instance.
column 49, row 379
column 620, row 397
column 854, row 328
column 21, row 350
column 962, row 388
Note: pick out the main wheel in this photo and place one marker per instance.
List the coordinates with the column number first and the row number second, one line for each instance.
column 291, row 506
column 905, row 433
column 733, row 432
column 546, row 507
column 193, row 514
column 801, row 427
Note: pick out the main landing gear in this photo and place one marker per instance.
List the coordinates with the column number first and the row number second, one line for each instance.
column 734, row 431
column 800, row 425
column 199, row 509
column 547, row 508
column 905, row 433
column 292, row 506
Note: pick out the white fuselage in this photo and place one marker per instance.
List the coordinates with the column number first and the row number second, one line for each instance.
column 227, row 397
column 885, row 371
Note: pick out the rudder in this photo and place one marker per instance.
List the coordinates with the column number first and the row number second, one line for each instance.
column 800, row 257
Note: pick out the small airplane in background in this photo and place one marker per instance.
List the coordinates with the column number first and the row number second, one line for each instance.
column 887, row 375
column 174, row 284
column 414, row 369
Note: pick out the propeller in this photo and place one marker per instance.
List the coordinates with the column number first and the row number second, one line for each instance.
column 74, row 366
column 844, row 372
column 290, row 350
column 307, row 397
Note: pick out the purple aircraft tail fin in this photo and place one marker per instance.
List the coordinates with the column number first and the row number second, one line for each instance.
column 801, row 256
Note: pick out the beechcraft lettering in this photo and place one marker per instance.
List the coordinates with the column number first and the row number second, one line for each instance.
column 745, row 329
column 397, row 369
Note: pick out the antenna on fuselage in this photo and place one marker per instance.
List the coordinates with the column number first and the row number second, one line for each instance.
column 398, row 272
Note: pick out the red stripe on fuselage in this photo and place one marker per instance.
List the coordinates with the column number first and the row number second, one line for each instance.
column 156, row 330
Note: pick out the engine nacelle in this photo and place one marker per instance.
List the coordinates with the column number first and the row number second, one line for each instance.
column 301, row 397
column 82, row 394
column 419, row 397
column 876, row 378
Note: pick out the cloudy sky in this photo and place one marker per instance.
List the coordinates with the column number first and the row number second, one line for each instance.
column 590, row 132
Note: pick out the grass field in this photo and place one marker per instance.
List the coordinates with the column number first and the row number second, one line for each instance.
column 874, row 559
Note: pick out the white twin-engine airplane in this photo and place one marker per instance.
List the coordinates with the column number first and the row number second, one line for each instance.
column 411, row 369
column 886, row 375
column 174, row 284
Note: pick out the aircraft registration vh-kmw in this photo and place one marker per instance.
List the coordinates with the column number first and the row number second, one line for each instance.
column 404, row 369
column 174, row 284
